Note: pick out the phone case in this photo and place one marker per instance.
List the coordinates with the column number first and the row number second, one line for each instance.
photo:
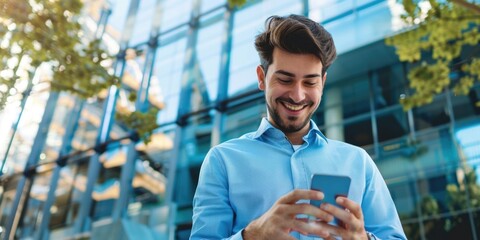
column 332, row 186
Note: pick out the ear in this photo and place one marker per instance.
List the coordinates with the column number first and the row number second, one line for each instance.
column 324, row 79
column 261, row 77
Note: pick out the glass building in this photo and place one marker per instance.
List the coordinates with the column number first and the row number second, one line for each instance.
column 70, row 172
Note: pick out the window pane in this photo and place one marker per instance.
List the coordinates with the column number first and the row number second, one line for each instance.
column 211, row 4
column 175, row 13
column 431, row 115
column 359, row 132
column 451, row 227
column 389, row 85
column 195, row 144
column 168, row 71
column 243, row 118
column 116, row 21
column 209, row 46
column 143, row 22
column 248, row 22
column 355, row 97
column 404, row 195
column 464, row 107
column 392, row 124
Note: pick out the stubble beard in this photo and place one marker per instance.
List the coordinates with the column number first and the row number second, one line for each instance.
column 285, row 126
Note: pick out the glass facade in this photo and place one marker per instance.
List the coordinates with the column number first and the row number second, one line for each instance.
column 200, row 61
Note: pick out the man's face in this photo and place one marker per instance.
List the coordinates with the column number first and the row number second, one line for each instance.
column 293, row 89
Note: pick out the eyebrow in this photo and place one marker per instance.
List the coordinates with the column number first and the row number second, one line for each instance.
column 289, row 74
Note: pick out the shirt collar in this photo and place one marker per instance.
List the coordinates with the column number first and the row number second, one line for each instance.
column 265, row 125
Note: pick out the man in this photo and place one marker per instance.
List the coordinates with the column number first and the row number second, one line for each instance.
column 257, row 186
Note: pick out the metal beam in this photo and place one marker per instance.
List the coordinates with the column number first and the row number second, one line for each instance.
column 218, row 122
column 24, row 186
column 83, row 218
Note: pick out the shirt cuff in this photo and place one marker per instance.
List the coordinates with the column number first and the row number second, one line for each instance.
column 371, row 236
column 238, row 235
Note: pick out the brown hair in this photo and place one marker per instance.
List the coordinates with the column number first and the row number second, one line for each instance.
column 295, row 34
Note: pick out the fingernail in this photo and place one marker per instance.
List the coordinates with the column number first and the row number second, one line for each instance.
column 340, row 200
column 320, row 195
column 324, row 206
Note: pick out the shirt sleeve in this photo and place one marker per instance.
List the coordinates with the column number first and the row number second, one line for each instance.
column 213, row 215
column 380, row 215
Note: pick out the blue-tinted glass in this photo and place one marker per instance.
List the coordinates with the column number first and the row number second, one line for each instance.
column 353, row 29
column 247, row 24
column 244, row 118
column 355, row 97
column 431, row 115
column 211, row 4
column 332, row 9
column 431, row 151
column 132, row 77
column 388, row 86
column 116, row 20
column 168, row 71
column 403, row 194
column 468, row 141
column 467, row 107
column 175, row 13
column 28, row 126
column 209, row 48
column 392, row 124
column 451, row 227
column 359, row 132
column 34, row 203
column 143, row 22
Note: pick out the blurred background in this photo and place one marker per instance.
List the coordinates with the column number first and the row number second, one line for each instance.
column 106, row 115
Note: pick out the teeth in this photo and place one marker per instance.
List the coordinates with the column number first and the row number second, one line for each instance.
column 292, row 107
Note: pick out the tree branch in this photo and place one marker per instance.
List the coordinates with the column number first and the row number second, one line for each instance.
column 468, row 5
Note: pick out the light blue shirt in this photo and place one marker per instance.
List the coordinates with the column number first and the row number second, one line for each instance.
column 242, row 178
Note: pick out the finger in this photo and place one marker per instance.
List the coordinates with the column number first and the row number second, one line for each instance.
column 343, row 215
column 306, row 227
column 334, row 230
column 298, row 194
column 330, row 237
column 288, row 237
column 310, row 210
column 352, row 206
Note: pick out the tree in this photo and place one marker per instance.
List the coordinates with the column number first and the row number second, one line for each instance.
column 36, row 32
column 236, row 3
column 39, row 32
column 437, row 34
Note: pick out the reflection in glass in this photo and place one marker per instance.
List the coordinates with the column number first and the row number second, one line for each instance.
column 452, row 227
column 431, row 115
column 392, row 124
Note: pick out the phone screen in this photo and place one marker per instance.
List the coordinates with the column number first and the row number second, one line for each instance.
column 332, row 186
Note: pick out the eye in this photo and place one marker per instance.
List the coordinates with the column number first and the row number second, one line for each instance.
column 310, row 84
column 284, row 81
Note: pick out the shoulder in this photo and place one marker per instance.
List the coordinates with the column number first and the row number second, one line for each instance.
column 345, row 147
column 349, row 154
column 236, row 143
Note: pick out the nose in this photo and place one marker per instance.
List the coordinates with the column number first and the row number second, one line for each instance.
column 297, row 93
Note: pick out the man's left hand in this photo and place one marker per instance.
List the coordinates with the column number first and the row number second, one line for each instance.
column 351, row 223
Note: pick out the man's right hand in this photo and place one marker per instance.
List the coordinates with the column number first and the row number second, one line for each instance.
column 281, row 218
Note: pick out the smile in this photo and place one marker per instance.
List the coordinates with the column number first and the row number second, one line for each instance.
column 293, row 107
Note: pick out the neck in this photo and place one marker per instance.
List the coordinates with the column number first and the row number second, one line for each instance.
column 296, row 138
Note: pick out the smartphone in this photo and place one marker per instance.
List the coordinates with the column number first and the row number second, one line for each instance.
column 332, row 187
